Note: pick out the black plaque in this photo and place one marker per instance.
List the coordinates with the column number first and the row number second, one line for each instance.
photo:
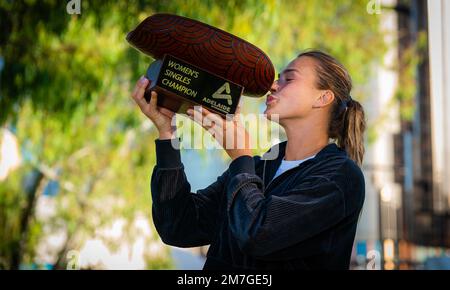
column 181, row 85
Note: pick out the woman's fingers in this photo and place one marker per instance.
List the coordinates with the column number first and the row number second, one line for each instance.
column 211, row 117
column 152, row 105
column 226, row 132
column 238, row 109
column 139, row 90
column 205, row 118
column 196, row 116
column 151, row 108
column 162, row 118
column 167, row 112
column 134, row 94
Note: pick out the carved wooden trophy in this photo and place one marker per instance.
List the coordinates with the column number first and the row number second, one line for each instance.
column 198, row 64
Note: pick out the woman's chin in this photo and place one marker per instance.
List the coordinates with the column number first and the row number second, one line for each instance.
column 270, row 114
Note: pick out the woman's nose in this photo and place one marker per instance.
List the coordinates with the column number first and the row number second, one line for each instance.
column 274, row 87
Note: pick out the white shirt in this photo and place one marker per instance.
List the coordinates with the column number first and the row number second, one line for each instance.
column 288, row 164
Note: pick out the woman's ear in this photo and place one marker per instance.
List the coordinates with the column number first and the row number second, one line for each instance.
column 325, row 99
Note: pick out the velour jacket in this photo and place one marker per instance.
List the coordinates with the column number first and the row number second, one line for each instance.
column 305, row 218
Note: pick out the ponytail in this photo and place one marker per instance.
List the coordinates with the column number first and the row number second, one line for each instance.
column 351, row 131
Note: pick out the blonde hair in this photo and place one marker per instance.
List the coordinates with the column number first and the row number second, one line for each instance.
column 347, row 120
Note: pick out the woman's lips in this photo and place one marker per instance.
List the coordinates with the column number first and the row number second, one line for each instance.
column 271, row 99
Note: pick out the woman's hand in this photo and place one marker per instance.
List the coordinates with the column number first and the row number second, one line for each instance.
column 230, row 133
column 161, row 117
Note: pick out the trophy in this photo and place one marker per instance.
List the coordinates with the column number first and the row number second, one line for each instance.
column 198, row 64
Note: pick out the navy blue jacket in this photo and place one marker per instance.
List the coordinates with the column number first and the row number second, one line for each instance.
column 303, row 219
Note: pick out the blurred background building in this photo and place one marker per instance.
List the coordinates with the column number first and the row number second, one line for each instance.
column 405, row 223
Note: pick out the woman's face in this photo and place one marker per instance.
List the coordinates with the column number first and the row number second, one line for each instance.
column 294, row 94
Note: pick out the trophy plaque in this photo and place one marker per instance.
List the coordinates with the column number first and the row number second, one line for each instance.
column 198, row 64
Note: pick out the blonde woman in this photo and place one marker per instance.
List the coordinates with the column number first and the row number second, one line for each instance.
column 299, row 211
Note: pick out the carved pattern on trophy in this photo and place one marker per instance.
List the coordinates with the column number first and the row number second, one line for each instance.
column 207, row 47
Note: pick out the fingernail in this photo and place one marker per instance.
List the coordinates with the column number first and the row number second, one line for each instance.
column 142, row 80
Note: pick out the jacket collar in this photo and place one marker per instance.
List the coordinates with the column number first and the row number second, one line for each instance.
column 271, row 165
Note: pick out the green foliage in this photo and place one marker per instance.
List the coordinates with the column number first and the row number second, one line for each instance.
column 65, row 89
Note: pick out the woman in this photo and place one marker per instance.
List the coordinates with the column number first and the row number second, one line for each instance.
column 299, row 211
